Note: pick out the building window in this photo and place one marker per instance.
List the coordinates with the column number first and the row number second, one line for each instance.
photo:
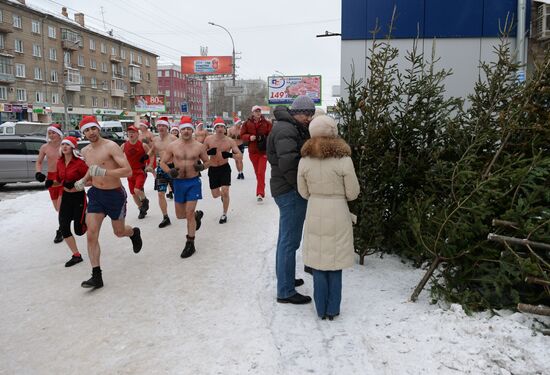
column 104, row 67
column 35, row 26
column 1, row 15
column 40, row 98
column 103, row 48
column 81, row 60
column 92, row 45
column 105, row 103
column 21, row 95
column 20, row 70
column 139, row 59
column 82, row 80
column 55, row 98
column 52, row 32
column 147, row 61
column 104, row 85
column 113, row 51
column 94, row 101
column 123, row 54
column 93, row 64
column 37, row 73
column 53, row 76
column 18, row 46
column 149, row 77
column 36, row 50
column 2, row 41
column 17, row 22
column 93, row 82
column 3, row 93
column 53, row 54
column 82, row 100
column 123, row 71
column 159, row 73
column 67, row 58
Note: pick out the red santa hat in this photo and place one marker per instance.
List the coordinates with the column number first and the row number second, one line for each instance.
column 256, row 108
column 163, row 121
column 174, row 126
column 88, row 122
column 186, row 122
column 218, row 121
column 237, row 121
column 132, row 128
column 71, row 141
column 144, row 123
column 56, row 128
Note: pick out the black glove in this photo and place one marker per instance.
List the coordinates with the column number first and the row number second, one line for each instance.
column 174, row 172
column 143, row 158
column 48, row 184
column 68, row 184
column 226, row 154
column 198, row 166
column 260, row 138
column 40, row 177
column 212, row 151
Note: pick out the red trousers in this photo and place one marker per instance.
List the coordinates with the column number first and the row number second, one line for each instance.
column 259, row 161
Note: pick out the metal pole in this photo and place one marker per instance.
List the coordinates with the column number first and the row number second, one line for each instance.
column 204, row 92
column 521, row 33
column 233, row 64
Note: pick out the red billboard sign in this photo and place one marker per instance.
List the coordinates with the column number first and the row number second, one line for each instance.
column 206, row 65
column 150, row 103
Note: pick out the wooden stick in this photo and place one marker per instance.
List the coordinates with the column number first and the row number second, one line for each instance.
column 504, row 223
column 425, row 279
column 531, row 309
column 536, row 280
column 517, row 241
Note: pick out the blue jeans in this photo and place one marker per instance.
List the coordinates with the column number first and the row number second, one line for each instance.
column 327, row 292
column 292, row 213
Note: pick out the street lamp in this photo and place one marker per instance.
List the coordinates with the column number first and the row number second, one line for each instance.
column 233, row 65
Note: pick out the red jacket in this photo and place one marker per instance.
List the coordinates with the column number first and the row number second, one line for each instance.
column 262, row 127
column 74, row 171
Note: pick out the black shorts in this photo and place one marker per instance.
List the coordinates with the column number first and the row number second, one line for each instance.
column 219, row 176
column 241, row 147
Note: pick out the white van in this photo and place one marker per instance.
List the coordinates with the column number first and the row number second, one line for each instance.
column 112, row 128
column 23, row 127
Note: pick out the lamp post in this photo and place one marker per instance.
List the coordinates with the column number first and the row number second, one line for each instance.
column 233, row 65
column 65, row 78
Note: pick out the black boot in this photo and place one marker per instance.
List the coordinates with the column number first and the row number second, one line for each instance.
column 75, row 259
column 96, row 281
column 58, row 237
column 165, row 222
column 189, row 248
column 170, row 195
column 145, row 205
column 223, row 219
column 198, row 216
column 308, row 269
column 137, row 243
column 297, row 299
column 298, row 282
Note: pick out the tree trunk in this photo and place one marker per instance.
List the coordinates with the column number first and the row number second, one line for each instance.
column 425, row 279
column 539, row 310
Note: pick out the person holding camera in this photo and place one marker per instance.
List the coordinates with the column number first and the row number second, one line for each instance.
column 255, row 131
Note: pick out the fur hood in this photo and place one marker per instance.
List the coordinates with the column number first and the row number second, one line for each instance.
column 325, row 147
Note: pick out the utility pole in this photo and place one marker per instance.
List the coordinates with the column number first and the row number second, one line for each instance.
column 233, row 65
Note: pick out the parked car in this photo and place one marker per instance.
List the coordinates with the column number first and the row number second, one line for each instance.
column 18, row 155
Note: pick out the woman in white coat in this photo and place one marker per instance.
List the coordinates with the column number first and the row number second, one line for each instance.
column 326, row 178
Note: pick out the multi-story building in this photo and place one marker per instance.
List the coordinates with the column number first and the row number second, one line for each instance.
column 180, row 90
column 53, row 68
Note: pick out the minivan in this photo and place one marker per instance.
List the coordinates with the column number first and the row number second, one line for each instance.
column 112, row 127
column 18, row 155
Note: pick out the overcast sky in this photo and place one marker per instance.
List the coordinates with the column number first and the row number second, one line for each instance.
column 270, row 35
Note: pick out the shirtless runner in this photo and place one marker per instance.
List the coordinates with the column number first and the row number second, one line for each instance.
column 187, row 155
column 50, row 152
column 107, row 197
column 200, row 133
column 219, row 148
column 162, row 180
column 234, row 132
column 146, row 137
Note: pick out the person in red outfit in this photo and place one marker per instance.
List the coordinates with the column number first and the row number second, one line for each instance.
column 255, row 131
column 137, row 154
column 71, row 168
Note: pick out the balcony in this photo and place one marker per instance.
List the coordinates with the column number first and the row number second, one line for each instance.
column 115, row 59
column 6, row 28
column 72, row 79
column 6, row 69
column 71, row 45
column 118, row 88
column 6, row 77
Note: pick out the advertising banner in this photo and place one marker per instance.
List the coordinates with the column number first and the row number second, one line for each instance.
column 150, row 103
column 206, row 65
column 283, row 90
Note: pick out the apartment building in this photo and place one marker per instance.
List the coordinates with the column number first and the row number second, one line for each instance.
column 54, row 68
column 180, row 90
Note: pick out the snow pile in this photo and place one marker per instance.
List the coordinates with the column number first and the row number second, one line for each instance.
column 216, row 311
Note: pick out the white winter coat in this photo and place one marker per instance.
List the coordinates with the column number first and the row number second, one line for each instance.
column 326, row 178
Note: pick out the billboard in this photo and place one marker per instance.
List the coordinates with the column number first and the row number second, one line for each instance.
column 206, row 65
column 150, row 103
column 283, row 89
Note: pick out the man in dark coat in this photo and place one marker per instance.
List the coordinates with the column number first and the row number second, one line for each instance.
column 289, row 133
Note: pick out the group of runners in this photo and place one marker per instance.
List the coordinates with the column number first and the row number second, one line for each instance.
column 175, row 157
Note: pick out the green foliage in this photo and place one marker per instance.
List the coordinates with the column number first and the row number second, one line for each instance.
column 434, row 175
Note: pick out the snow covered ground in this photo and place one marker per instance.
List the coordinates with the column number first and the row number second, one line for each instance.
column 215, row 313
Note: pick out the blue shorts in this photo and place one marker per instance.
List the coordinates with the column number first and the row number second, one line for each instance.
column 162, row 181
column 187, row 189
column 111, row 202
